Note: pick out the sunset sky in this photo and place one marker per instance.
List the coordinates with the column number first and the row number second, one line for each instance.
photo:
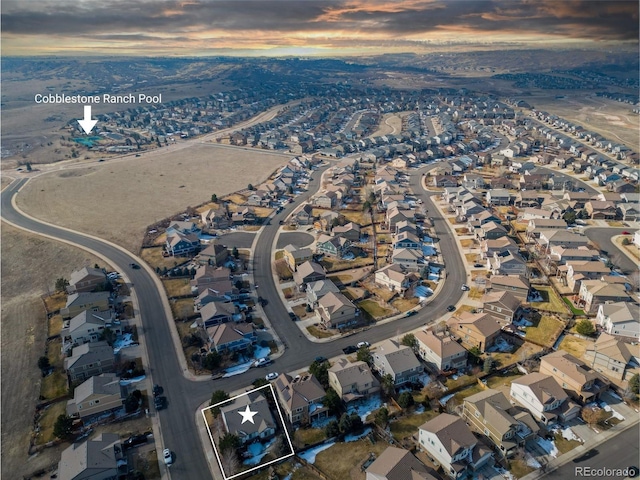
column 307, row 27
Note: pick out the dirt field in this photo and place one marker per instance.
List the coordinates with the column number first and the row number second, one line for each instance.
column 126, row 196
column 390, row 123
column 29, row 265
column 611, row 119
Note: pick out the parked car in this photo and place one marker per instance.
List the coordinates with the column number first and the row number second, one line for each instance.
column 321, row 359
column 411, row 313
column 157, row 390
column 271, row 376
column 451, row 308
column 135, row 266
column 168, row 456
column 134, row 440
column 350, row 349
column 464, row 287
column 293, row 316
column 160, row 403
column 262, row 362
column 363, row 344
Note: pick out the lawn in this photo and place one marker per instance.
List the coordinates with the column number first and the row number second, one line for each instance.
column 343, row 460
column 467, row 392
column 563, row 445
column 574, row 310
column 551, row 302
column 574, row 345
column 460, row 381
column 308, row 436
column 182, row 308
column 509, row 358
column 404, row 304
column 546, row 332
column 283, row 270
column 471, row 257
column 476, row 293
column 374, row 309
column 319, row 333
column 452, row 220
column 47, row 420
column 336, row 264
column 467, row 242
column 519, row 468
column 465, row 308
column 147, row 464
column 408, row 424
column 55, row 302
column 177, row 287
column 236, row 198
column 503, row 380
column 153, row 256
column 54, row 385
column 279, row 254
column 358, row 217
column 55, row 325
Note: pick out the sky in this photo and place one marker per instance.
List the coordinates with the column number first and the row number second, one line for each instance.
column 307, row 27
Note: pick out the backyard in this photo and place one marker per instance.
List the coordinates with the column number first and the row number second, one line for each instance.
column 576, row 346
column 177, row 287
column 374, row 309
column 342, row 461
column 409, row 424
column 551, row 302
column 546, row 331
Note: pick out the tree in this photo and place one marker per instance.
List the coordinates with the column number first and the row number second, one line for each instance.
column 364, row 355
column 250, row 187
column 382, row 417
column 230, row 462
column 487, row 366
column 229, row 442
column 634, row 384
column 44, row 364
column 388, row 385
column 410, row 341
column 61, row 284
column 109, row 336
column 592, row 415
column 331, row 429
column 332, row 401
column 235, row 253
column 345, row 424
column 214, row 198
column 320, row 370
column 63, row 427
column 29, row 167
column 260, row 382
column 211, row 361
column 569, row 217
column 585, row 327
column 132, row 402
column 217, row 397
column 475, row 354
column 405, row 400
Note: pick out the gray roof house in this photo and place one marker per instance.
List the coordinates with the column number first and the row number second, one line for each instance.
column 263, row 426
column 100, row 458
column 95, row 396
column 397, row 360
column 398, row 464
column 88, row 360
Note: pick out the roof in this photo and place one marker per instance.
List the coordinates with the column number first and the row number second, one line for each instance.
column 89, row 353
column 545, row 388
column 452, row 432
column 309, row 268
column 94, row 457
column 559, row 236
column 494, row 407
column 483, row 323
column 227, row 333
column 400, row 358
column 570, row 366
column 406, row 253
column 299, row 391
column 334, row 301
column 213, row 249
column 86, row 297
column 609, row 346
column 84, row 272
column 213, row 309
column 499, row 243
column 348, row 373
column 298, row 252
column 103, row 384
column 322, row 287
column 550, row 223
column 517, row 281
column 620, row 312
column 88, row 317
column 506, row 299
column 233, row 419
column 442, row 345
column 597, row 288
column 393, row 272
column 399, row 464
column 588, row 266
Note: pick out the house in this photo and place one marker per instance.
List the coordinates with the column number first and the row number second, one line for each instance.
column 394, row 215
column 528, row 198
column 309, row 272
column 629, row 212
column 231, row 337
column 96, row 395
column 215, row 219
column 336, row 311
column 507, row 263
column 508, row 427
column 79, row 302
column 475, row 329
column 89, row 359
column 491, row 231
column 332, row 246
column 178, row 244
column 88, row 326
column 498, row 196
column 450, row 442
column 216, row 278
column 326, row 199
column 101, row 458
column 580, row 381
column 621, row 319
column 444, row 181
column 398, row 464
column 406, row 226
column 214, row 255
column 215, row 313
column 263, row 426
column 184, row 228
column 545, row 399
column 350, row 231
column 316, row 290
column 304, row 216
column 536, row 213
column 502, row 305
column 613, row 357
column 473, row 181
column 245, row 216
column 440, row 351
column 408, row 259
column 407, row 240
column 393, row 277
column 295, row 256
column 595, row 292
column 397, row 360
column 517, row 285
column 326, row 220
column 352, row 381
column 599, row 210
column 561, row 238
column 258, row 198
column 489, row 247
column 301, row 398
column 86, row 280
column 563, row 255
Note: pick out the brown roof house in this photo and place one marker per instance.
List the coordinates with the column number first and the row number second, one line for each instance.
column 502, row 305
column 397, row 360
column 352, row 381
column 337, row 311
column 450, row 442
column 231, row 337
column 214, row 255
column 601, row 210
column 95, row 396
column 593, row 293
column 301, row 398
column 263, row 426
column 621, row 319
column 88, row 326
column 79, row 302
column 581, row 382
column 394, row 278
column 398, row 464
column 309, row 272
column 86, row 279
column 316, row 290
column 215, row 313
column 517, row 285
column 489, row 247
column 490, row 413
column 440, row 351
column 295, row 256
column 101, row 458
column 613, row 357
column 475, row 329
column 350, row 231
column 88, row 360
column 180, row 244
column 544, row 398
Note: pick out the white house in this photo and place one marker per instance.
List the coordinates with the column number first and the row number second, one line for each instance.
column 620, row 319
column 543, row 396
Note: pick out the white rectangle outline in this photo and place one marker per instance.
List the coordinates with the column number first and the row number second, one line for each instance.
column 284, row 427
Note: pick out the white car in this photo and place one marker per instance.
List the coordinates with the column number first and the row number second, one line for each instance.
column 363, row 344
column 271, row 376
column 168, row 457
column 465, row 287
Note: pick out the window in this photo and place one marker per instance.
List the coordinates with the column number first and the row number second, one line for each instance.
column 486, row 432
column 477, row 414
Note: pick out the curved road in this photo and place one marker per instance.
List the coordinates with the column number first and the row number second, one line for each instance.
column 184, row 396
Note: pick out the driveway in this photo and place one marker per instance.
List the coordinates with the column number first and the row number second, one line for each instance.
column 297, row 239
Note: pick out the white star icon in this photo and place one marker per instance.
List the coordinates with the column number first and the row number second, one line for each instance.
column 247, row 415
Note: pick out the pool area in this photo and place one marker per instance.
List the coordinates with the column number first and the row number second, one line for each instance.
column 87, row 141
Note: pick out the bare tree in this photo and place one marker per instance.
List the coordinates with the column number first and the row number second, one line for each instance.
column 591, row 415
column 230, row 462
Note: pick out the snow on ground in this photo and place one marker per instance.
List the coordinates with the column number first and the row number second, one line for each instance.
column 614, row 414
column 505, row 473
column 322, row 422
column 428, row 250
column 257, row 451
column 614, row 395
column 443, row 401
column 569, row 434
column 123, row 341
column 353, row 438
column 522, row 322
column 531, row 461
column 237, row 370
column 427, row 239
column 434, row 277
column 365, row 408
column 548, row 446
column 424, row 379
column 422, row 292
column 310, row 455
column 500, row 345
column 433, row 269
column 261, row 352
column 129, row 381
column 419, row 409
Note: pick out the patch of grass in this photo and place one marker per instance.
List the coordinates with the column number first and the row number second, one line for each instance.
column 55, row 302
column 176, row 287
column 574, row 345
column 404, row 304
column 147, row 464
column 319, row 333
column 471, row 257
column 467, row 242
column 153, row 256
column 519, row 468
column 546, row 332
column 182, row 308
column 339, row 461
column 344, row 278
column 551, row 302
column 279, row 254
column 509, row 358
column 409, row 424
column 476, row 293
column 55, row 385
column 360, row 218
column 373, row 308
column 252, row 228
column 235, row 198
column 452, row 220
column 287, row 292
column 283, row 270
column 467, row 392
column 55, row 325
column 574, row 310
column 308, row 436
column 460, row 381
column 503, row 380
column 47, row 420
column 335, row 264
column 465, row 308
column 563, row 445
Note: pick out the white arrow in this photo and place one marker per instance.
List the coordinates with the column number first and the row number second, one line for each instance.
column 87, row 124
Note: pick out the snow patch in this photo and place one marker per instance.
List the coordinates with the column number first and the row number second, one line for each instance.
column 129, row 381
column 353, row 438
column 548, row 446
column 532, row 462
column 237, row 370
column 614, row 414
column 310, row 455
column 363, row 409
column 123, row 341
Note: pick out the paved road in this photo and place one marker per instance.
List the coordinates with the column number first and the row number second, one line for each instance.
column 602, row 237
column 297, row 239
column 237, row 239
column 184, row 396
column 619, row 452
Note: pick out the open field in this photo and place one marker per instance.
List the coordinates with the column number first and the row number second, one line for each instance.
column 143, row 190
column 611, row 119
column 30, row 266
column 177, row 287
column 390, row 123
